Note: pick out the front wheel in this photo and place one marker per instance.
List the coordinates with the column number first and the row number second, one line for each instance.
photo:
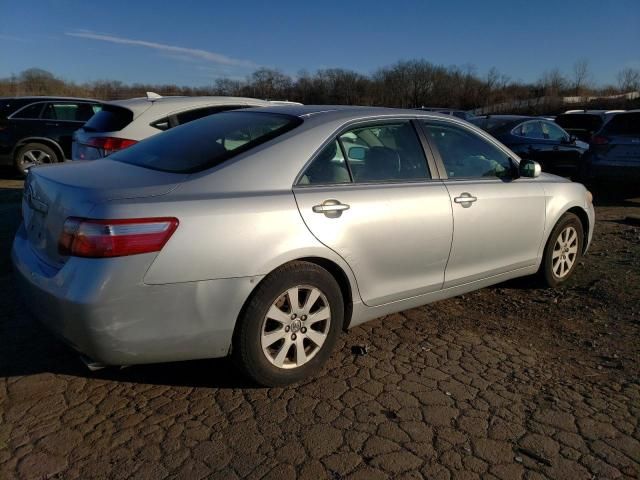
column 563, row 250
column 288, row 329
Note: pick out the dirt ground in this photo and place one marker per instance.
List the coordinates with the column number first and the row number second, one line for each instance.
column 508, row 382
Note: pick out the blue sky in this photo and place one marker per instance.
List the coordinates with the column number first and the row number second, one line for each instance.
column 192, row 43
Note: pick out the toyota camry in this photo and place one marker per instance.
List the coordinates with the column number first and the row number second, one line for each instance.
column 263, row 233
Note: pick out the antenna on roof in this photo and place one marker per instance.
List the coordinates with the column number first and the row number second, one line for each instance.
column 153, row 96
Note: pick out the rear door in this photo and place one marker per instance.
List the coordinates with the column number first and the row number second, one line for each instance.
column 63, row 118
column 498, row 219
column 370, row 196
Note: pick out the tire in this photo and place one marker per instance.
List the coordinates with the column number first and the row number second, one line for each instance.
column 275, row 361
column 34, row 154
column 562, row 251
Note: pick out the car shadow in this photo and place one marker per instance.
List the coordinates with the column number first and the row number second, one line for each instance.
column 26, row 348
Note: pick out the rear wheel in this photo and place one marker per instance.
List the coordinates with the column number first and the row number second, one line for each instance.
column 290, row 325
column 34, row 154
column 563, row 250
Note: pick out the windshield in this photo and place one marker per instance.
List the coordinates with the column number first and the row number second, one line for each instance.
column 206, row 142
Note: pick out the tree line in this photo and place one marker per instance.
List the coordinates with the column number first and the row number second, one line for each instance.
column 407, row 84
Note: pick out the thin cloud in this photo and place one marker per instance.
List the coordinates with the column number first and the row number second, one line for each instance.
column 195, row 53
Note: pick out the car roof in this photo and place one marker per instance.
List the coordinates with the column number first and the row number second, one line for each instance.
column 169, row 104
column 345, row 112
column 44, row 98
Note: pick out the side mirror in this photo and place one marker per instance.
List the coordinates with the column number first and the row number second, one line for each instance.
column 529, row 169
column 357, row 153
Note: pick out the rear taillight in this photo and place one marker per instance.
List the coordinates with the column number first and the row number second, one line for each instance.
column 110, row 144
column 82, row 237
column 599, row 140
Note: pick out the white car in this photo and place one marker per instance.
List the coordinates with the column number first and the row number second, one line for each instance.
column 123, row 123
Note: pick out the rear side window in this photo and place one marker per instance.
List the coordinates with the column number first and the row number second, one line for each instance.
column 62, row 111
column 29, row 112
column 110, row 119
column 386, row 152
column 206, row 142
column 623, row 124
column 530, row 130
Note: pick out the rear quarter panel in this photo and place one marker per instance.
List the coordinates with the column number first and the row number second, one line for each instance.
column 226, row 235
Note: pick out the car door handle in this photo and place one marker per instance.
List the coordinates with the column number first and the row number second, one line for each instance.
column 331, row 208
column 465, row 199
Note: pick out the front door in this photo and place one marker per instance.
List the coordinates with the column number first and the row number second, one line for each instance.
column 498, row 219
column 368, row 195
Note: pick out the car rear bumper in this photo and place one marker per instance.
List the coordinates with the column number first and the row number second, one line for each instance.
column 96, row 307
column 629, row 173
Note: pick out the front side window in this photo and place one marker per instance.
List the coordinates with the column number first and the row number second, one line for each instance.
column 385, row 152
column 553, row 132
column 466, row 154
column 206, row 142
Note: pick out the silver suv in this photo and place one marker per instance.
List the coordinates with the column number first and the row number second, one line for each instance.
column 123, row 123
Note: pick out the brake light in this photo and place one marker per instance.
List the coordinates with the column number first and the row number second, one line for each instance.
column 599, row 140
column 82, row 237
column 110, row 144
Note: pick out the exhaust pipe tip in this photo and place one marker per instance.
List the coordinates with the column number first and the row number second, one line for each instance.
column 92, row 365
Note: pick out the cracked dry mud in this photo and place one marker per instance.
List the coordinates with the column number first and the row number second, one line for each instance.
column 509, row 382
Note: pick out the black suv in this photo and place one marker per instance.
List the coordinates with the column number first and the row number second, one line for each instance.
column 36, row 130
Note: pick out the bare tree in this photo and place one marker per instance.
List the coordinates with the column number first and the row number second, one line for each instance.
column 552, row 82
column 580, row 75
column 628, row 79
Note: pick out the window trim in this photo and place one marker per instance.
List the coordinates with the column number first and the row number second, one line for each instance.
column 44, row 102
column 335, row 136
column 474, row 131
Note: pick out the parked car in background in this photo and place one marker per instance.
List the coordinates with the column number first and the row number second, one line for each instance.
column 123, row 123
column 35, row 130
column 463, row 114
column 615, row 150
column 538, row 139
column 261, row 233
column 584, row 123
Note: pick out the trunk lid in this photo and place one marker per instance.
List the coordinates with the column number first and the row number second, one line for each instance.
column 54, row 193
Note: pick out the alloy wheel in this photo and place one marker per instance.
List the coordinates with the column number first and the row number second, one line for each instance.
column 295, row 326
column 34, row 157
column 565, row 252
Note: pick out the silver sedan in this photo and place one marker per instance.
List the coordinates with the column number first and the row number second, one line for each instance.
column 263, row 233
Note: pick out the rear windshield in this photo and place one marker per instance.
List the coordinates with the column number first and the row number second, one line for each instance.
column 206, row 142
column 110, row 119
column 623, row 124
column 579, row 121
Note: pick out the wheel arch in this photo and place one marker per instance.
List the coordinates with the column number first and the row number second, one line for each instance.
column 335, row 270
column 44, row 140
column 584, row 220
